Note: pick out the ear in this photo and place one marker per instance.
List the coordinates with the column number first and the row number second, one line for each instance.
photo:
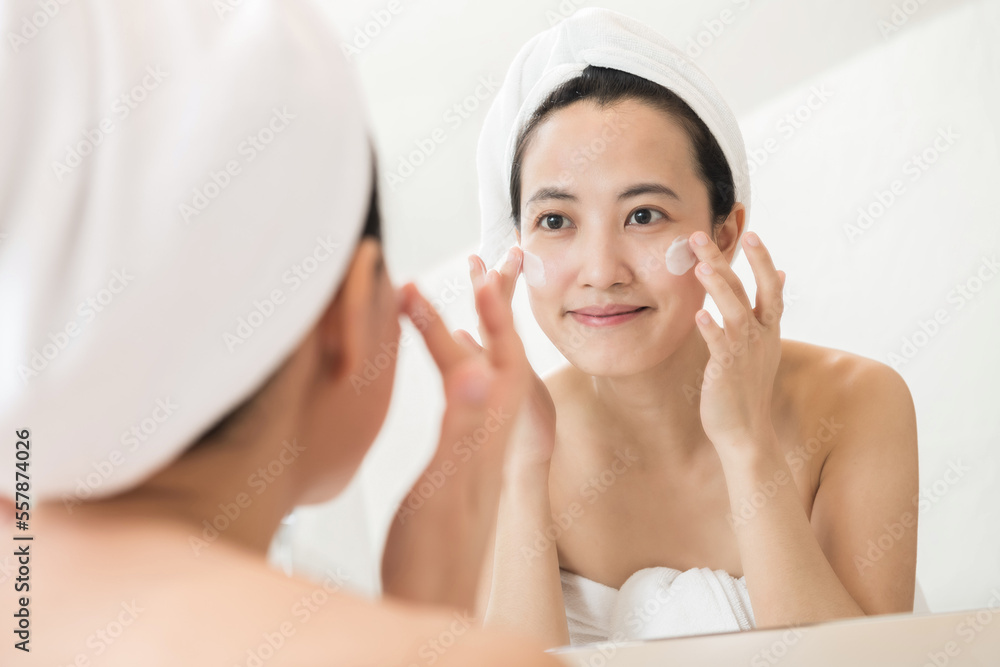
column 517, row 231
column 349, row 321
column 727, row 235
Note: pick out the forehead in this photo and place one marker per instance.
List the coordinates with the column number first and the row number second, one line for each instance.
column 584, row 146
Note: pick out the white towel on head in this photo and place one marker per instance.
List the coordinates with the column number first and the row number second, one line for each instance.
column 165, row 166
column 602, row 38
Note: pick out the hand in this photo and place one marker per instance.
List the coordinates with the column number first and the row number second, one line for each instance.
column 739, row 378
column 534, row 434
column 435, row 548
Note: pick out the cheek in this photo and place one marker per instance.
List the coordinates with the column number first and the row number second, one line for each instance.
column 679, row 258
column 546, row 275
column 533, row 269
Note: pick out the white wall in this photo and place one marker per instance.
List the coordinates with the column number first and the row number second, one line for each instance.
column 890, row 95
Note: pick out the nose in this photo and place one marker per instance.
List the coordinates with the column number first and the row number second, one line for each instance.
column 603, row 259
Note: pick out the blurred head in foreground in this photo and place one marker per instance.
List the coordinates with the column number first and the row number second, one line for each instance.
column 190, row 264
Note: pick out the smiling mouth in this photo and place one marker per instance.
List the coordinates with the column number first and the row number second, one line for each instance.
column 609, row 319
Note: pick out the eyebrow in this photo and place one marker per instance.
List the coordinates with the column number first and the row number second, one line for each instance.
column 550, row 193
column 544, row 194
column 649, row 189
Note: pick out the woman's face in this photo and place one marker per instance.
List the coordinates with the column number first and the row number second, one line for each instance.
column 604, row 193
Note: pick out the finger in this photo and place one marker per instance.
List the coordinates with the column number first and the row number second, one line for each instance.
column 509, row 271
column 769, row 280
column 477, row 270
column 735, row 314
column 465, row 338
column 497, row 321
column 713, row 334
column 710, row 254
column 445, row 350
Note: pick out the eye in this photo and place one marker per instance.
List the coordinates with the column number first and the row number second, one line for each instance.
column 644, row 216
column 552, row 221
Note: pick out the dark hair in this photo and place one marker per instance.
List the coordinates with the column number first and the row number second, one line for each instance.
column 373, row 221
column 372, row 229
column 607, row 87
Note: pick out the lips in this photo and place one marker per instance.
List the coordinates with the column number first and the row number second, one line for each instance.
column 606, row 316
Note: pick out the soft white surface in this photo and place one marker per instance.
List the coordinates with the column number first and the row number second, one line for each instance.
column 654, row 603
column 890, row 96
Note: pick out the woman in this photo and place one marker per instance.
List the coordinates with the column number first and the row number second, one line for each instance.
column 194, row 287
column 678, row 476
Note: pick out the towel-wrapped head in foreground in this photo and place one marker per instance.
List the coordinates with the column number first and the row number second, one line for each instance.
column 181, row 196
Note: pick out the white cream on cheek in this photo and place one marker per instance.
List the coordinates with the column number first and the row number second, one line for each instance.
column 533, row 269
column 679, row 257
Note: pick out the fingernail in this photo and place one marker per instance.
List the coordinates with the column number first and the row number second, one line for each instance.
column 706, row 269
column 472, row 264
column 753, row 239
column 700, row 238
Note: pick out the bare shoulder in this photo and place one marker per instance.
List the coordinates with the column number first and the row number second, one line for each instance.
column 142, row 596
column 834, row 378
column 825, row 398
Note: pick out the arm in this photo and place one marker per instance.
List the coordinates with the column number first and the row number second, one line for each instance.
column 796, row 572
column 525, row 589
column 435, row 545
column 520, row 589
column 800, row 573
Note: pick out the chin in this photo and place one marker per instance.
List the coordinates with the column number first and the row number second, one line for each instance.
column 607, row 354
column 606, row 363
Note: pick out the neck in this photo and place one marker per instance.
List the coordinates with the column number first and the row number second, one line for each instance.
column 659, row 409
column 235, row 491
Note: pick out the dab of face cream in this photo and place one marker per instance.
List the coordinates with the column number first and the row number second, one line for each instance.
column 533, row 269
column 680, row 259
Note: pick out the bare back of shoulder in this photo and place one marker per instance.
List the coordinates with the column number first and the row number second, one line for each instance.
column 149, row 595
